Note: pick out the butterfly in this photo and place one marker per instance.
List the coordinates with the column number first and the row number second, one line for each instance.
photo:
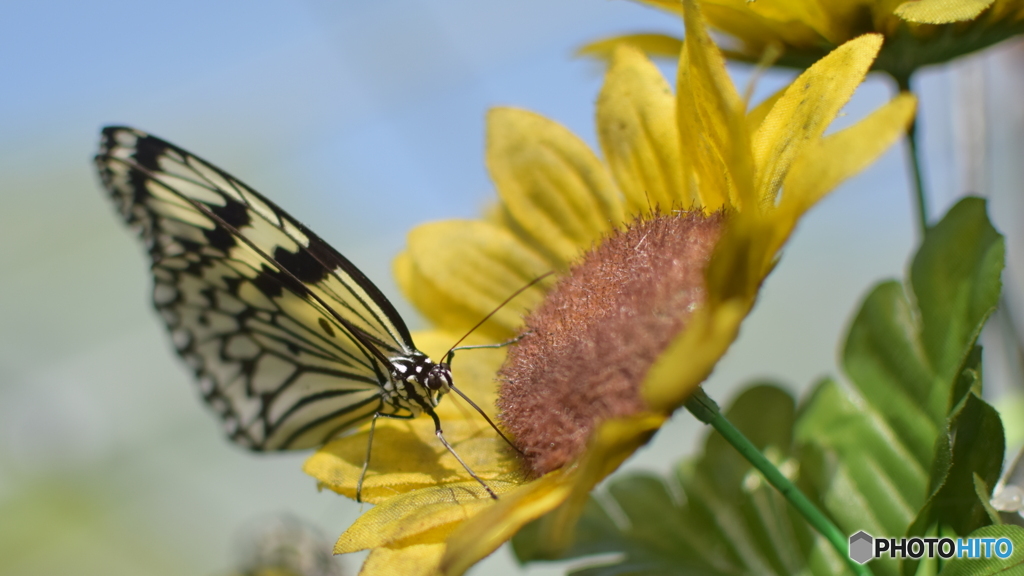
column 289, row 342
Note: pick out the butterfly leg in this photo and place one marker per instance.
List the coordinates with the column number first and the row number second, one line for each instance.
column 451, row 353
column 440, row 436
column 369, row 446
column 486, row 417
column 366, row 462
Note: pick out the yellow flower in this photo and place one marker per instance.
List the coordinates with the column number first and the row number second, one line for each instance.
column 696, row 156
column 799, row 32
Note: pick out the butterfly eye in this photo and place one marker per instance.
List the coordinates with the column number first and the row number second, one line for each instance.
column 438, row 378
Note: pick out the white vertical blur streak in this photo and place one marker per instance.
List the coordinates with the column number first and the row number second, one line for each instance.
column 970, row 125
column 997, row 80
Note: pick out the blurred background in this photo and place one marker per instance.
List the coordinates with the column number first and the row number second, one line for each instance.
column 362, row 120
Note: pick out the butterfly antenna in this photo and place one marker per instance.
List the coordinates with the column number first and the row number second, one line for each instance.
column 495, row 311
column 440, row 436
column 449, row 353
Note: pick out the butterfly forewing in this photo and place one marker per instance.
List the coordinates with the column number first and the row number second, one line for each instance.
column 288, row 340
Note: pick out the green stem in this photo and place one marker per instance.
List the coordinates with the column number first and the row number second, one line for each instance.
column 903, row 82
column 706, row 410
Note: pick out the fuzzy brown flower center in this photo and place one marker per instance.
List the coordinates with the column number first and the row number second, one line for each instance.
column 590, row 344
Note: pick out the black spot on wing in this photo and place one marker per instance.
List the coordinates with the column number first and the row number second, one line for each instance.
column 233, row 213
column 273, row 283
column 324, row 253
column 232, row 283
column 140, row 194
column 220, row 238
column 147, row 151
column 189, row 245
column 331, row 260
column 326, row 326
column 268, row 283
column 302, row 264
column 107, row 139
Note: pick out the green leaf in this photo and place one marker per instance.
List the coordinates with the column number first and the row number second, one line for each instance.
column 969, row 458
column 976, row 450
column 956, row 280
column 906, row 439
column 869, row 480
column 886, row 362
column 904, row 358
column 835, row 419
column 984, row 494
column 1014, row 565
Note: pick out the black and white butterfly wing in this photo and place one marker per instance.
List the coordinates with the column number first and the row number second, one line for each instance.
column 289, row 341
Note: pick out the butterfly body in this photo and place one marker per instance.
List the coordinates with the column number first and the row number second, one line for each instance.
column 417, row 383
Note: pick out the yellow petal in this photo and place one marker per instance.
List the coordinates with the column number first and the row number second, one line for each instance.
column 941, row 11
column 499, row 215
column 442, row 309
column 650, row 44
column 712, row 120
column 689, row 359
column 738, row 20
column 808, row 13
column 458, row 271
column 669, row 5
column 756, row 116
column 807, row 108
column 612, row 442
column 835, row 158
column 408, row 456
column 712, row 181
column 486, row 531
column 416, row 560
column 550, row 181
column 418, row 517
column 636, row 123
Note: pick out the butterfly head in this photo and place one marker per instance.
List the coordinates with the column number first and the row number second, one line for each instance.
column 418, row 382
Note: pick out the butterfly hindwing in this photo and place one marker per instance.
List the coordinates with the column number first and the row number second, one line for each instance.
column 288, row 340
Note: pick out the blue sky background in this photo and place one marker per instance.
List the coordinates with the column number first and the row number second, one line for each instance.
column 362, row 120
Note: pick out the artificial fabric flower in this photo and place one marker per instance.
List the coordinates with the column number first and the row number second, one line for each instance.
column 797, row 33
column 694, row 190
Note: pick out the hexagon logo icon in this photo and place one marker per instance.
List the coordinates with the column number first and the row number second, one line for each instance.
column 861, row 547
